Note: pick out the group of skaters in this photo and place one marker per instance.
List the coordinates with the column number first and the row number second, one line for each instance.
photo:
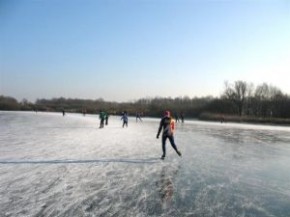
column 179, row 117
column 104, row 118
column 167, row 126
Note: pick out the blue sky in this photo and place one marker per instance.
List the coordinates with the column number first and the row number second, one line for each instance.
column 125, row 50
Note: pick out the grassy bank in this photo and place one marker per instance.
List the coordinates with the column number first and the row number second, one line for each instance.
column 243, row 119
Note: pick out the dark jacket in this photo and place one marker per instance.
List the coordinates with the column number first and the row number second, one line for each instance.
column 165, row 125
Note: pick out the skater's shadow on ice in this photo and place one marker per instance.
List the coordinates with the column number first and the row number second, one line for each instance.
column 117, row 160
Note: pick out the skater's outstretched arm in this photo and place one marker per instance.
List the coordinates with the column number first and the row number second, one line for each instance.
column 160, row 128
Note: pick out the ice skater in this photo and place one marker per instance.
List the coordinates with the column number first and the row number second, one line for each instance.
column 84, row 111
column 102, row 117
column 107, row 118
column 125, row 119
column 176, row 117
column 138, row 117
column 182, row 117
column 167, row 124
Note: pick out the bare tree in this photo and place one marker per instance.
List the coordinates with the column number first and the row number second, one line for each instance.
column 237, row 93
column 265, row 97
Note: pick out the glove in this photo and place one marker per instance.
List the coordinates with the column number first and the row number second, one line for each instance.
column 157, row 136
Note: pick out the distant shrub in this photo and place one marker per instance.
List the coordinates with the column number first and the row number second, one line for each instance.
column 8, row 103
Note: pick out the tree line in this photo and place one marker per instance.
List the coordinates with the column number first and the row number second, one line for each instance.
column 239, row 99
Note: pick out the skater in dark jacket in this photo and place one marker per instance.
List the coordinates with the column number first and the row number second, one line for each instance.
column 102, row 116
column 167, row 124
column 125, row 119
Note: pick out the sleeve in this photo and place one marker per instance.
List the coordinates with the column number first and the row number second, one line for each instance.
column 160, row 127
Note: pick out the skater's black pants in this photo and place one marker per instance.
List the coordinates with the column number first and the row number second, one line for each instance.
column 125, row 123
column 171, row 139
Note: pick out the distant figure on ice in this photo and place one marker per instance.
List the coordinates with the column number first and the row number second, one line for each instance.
column 107, row 118
column 102, row 117
column 168, row 126
column 125, row 119
column 84, row 111
column 176, row 117
column 138, row 117
column 222, row 119
column 63, row 112
column 182, row 117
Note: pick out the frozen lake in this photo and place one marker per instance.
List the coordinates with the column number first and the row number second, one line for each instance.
column 66, row 166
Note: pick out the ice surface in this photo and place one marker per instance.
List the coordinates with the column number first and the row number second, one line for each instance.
column 66, row 166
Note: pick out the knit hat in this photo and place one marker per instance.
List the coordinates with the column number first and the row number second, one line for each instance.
column 167, row 113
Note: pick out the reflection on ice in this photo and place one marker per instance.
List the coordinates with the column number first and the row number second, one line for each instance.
column 166, row 186
column 66, row 166
column 165, row 189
